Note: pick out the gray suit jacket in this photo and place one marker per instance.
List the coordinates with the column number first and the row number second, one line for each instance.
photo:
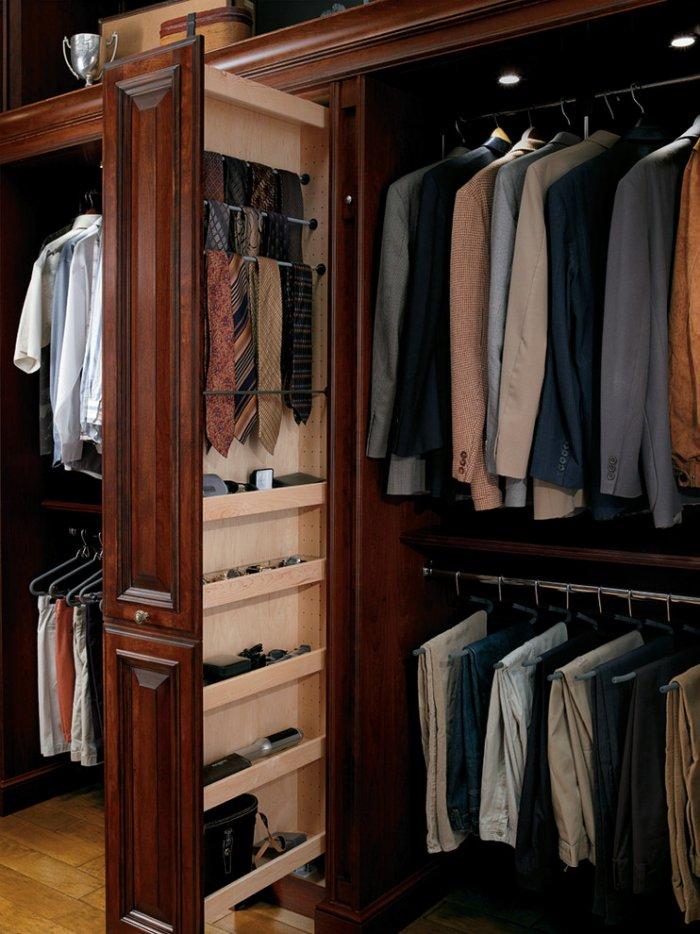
column 504, row 220
column 406, row 474
column 634, row 377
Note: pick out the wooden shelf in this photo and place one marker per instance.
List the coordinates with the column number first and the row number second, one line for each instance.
column 265, row 679
column 220, row 85
column 265, row 771
column 217, row 905
column 259, row 502
column 60, row 505
column 237, row 589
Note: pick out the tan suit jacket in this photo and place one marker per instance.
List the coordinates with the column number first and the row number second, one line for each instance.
column 469, row 299
column 525, row 343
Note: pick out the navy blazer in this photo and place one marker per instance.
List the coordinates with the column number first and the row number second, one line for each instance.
column 422, row 413
column 579, row 206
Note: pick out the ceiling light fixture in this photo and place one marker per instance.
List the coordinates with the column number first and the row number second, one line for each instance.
column 509, row 78
column 683, row 41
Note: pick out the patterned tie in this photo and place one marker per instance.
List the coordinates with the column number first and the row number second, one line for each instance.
column 264, row 194
column 278, row 236
column 248, row 232
column 218, row 226
column 301, row 356
column 292, row 205
column 269, row 343
column 287, row 354
column 220, row 410
column 242, row 302
column 237, row 182
column 213, row 175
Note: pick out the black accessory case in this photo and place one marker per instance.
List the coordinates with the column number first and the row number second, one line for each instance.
column 228, row 841
column 225, row 666
column 222, row 768
column 296, row 479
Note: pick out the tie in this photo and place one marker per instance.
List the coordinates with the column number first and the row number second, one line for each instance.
column 237, row 182
column 269, row 342
column 292, row 205
column 242, row 300
column 301, row 354
column 213, row 172
column 247, row 236
column 218, row 225
column 278, row 236
column 220, row 410
column 287, row 354
column 263, row 187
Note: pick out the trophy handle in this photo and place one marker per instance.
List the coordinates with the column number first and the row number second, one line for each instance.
column 66, row 44
column 114, row 38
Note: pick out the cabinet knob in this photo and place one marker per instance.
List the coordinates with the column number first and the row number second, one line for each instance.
column 348, row 199
column 141, row 616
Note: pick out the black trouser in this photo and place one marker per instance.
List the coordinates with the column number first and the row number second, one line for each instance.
column 94, row 657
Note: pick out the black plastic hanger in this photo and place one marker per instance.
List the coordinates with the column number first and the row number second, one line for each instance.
column 36, row 588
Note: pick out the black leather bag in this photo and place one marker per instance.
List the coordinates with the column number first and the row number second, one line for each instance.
column 228, row 841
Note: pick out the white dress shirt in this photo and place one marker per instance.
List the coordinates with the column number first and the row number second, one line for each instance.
column 91, row 382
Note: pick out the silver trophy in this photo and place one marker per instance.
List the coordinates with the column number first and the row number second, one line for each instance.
column 88, row 54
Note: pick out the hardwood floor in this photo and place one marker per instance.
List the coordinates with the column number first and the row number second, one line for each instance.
column 52, row 874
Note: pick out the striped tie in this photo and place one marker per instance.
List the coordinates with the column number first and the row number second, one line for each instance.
column 242, row 306
column 264, row 194
column 269, row 352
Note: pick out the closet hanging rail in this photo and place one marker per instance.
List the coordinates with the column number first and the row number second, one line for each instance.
column 561, row 587
column 599, row 95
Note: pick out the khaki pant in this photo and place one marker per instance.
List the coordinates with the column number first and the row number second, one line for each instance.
column 437, row 683
column 570, row 750
column 683, row 790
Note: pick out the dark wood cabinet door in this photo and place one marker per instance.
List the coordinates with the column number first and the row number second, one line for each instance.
column 153, row 112
column 152, row 343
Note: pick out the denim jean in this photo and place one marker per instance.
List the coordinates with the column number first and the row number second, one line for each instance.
column 465, row 742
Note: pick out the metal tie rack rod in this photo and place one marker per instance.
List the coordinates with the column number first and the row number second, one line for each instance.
column 599, row 95
column 320, row 269
column 561, row 587
column 312, row 223
column 266, row 392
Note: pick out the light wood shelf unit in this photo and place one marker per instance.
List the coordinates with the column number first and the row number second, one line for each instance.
column 260, row 502
column 252, row 683
column 237, row 589
column 218, row 904
column 265, row 771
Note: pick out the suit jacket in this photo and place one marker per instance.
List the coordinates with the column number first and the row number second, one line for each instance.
column 525, row 342
column 634, row 366
column 566, row 449
column 469, row 284
column 406, row 475
column 504, row 221
column 422, row 411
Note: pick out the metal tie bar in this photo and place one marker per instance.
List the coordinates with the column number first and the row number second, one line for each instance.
column 312, row 223
column 266, row 392
column 320, row 269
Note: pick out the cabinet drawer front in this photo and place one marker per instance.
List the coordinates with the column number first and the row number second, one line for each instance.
column 152, row 340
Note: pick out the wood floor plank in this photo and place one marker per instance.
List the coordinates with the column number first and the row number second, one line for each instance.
column 16, row 920
column 83, row 919
column 63, row 847
column 96, row 898
column 64, row 822
column 51, row 872
column 31, row 895
column 96, row 868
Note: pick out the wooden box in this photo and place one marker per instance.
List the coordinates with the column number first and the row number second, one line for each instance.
column 139, row 30
column 219, row 27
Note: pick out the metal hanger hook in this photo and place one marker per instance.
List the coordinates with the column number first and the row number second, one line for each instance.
column 609, row 106
column 634, row 96
column 629, row 603
column 668, row 607
column 600, row 600
column 458, row 130
column 457, row 583
column 537, row 593
column 563, row 110
column 495, row 120
column 500, row 587
column 568, row 595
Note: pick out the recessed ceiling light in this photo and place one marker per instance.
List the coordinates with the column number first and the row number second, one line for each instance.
column 683, row 42
column 509, row 78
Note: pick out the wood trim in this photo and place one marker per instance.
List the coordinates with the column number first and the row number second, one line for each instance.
column 260, row 502
column 265, row 771
column 248, row 685
column 237, row 589
column 397, row 32
column 433, row 541
column 217, row 905
column 262, row 100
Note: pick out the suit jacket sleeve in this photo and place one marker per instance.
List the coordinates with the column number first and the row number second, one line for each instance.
column 392, row 291
column 417, row 409
column 625, row 357
column 558, row 455
column 525, row 342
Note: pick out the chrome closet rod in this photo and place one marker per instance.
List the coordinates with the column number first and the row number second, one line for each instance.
column 561, row 587
column 599, row 95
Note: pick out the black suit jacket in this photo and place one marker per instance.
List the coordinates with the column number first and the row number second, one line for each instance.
column 422, row 416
